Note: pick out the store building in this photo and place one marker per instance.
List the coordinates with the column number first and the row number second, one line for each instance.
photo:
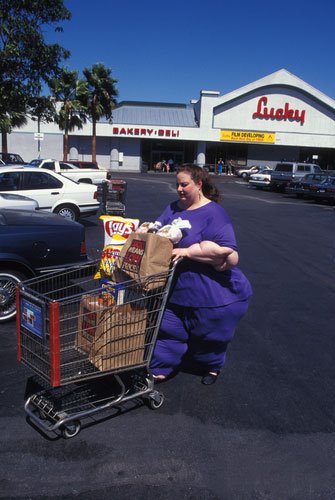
column 279, row 117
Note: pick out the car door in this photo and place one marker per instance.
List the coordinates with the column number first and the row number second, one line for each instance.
column 42, row 187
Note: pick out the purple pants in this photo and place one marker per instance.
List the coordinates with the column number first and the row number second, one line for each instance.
column 202, row 333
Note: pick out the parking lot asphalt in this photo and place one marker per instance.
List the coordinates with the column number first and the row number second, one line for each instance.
column 265, row 430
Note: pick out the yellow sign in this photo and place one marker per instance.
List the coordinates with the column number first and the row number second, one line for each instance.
column 246, row 136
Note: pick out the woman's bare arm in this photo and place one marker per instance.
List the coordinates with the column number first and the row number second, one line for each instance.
column 208, row 252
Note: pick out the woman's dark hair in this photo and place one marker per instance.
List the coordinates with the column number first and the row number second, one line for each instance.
column 199, row 174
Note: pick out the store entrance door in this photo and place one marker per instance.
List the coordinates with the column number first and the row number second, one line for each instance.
column 176, row 156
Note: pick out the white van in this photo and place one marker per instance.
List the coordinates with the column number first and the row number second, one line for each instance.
column 286, row 172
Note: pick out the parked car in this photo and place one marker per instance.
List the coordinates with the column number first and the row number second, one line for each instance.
column 245, row 172
column 286, row 172
column 53, row 192
column 84, row 164
column 16, row 201
column 300, row 188
column 324, row 191
column 11, row 159
column 261, row 180
column 32, row 243
column 88, row 175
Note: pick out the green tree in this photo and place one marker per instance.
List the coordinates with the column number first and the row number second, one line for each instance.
column 12, row 112
column 100, row 98
column 27, row 62
column 69, row 92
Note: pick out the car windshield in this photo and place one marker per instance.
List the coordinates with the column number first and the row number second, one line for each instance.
column 35, row 163
column 326, row 180
column 11, row 158
column 284, row 167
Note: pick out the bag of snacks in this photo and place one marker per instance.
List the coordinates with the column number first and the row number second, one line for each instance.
column 116, row 233
column 117, row 229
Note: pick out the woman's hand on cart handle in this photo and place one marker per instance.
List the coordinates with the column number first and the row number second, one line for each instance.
column 176, row 259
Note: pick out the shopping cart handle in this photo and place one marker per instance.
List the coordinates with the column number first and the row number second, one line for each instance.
column 176, row 261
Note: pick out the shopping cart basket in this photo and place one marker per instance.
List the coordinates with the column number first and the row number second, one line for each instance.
column 74, row 331
column 112, row 197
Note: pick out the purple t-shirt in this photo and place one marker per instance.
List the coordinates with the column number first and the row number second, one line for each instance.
column 197, row 284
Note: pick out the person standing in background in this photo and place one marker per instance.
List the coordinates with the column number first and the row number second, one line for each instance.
column 220, row 166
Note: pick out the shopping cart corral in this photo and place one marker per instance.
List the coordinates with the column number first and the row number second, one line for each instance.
column 112, row 197
column 91, row 347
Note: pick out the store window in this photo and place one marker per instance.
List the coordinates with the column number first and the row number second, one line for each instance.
column 236, row 153
column 178, row 152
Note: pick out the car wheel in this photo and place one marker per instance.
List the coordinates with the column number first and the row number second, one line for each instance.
column 8, row 281
column 244, row 175
column 67, row 211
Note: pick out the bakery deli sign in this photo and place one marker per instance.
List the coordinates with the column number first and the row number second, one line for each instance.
column 149, row 132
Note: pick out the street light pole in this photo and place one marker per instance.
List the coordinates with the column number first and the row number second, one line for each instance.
column 39, row 140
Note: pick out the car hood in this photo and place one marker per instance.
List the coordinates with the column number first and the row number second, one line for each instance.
column 30, row 218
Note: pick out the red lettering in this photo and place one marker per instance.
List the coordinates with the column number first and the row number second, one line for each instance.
column 89, row 322
column 302, row 116
column 259, row 113
column 167, row 133
column 278, row 114
column 138, row 244
column 288, row 112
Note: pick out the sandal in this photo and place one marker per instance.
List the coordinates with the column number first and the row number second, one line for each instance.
column 210, row 377
column 159, row 378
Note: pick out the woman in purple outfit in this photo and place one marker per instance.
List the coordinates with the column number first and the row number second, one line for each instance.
column 209, row 294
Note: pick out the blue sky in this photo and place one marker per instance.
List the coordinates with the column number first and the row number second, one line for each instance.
column 169, row 51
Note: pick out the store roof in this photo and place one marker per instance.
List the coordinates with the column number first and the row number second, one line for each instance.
column 144, row 113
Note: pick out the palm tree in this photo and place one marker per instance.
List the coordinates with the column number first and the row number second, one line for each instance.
column 68, row 91
column 16, row 117
column 100, row 97
column 8, row 121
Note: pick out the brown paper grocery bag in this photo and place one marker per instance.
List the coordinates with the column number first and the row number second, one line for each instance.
column 145, row 255
column 112, row 337
column 89, row 314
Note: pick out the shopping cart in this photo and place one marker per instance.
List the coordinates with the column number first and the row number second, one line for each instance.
column 112, row 197
column 89, row 343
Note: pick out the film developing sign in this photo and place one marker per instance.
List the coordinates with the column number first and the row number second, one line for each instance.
column 247, row 136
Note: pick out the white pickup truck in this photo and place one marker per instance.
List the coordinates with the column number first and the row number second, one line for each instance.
column 88, row 175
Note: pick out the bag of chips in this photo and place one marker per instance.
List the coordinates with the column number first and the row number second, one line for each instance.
column 117, row 229
column 116, row 233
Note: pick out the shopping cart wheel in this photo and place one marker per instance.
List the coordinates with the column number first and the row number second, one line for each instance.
column 71, row 429
column 155, row 400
